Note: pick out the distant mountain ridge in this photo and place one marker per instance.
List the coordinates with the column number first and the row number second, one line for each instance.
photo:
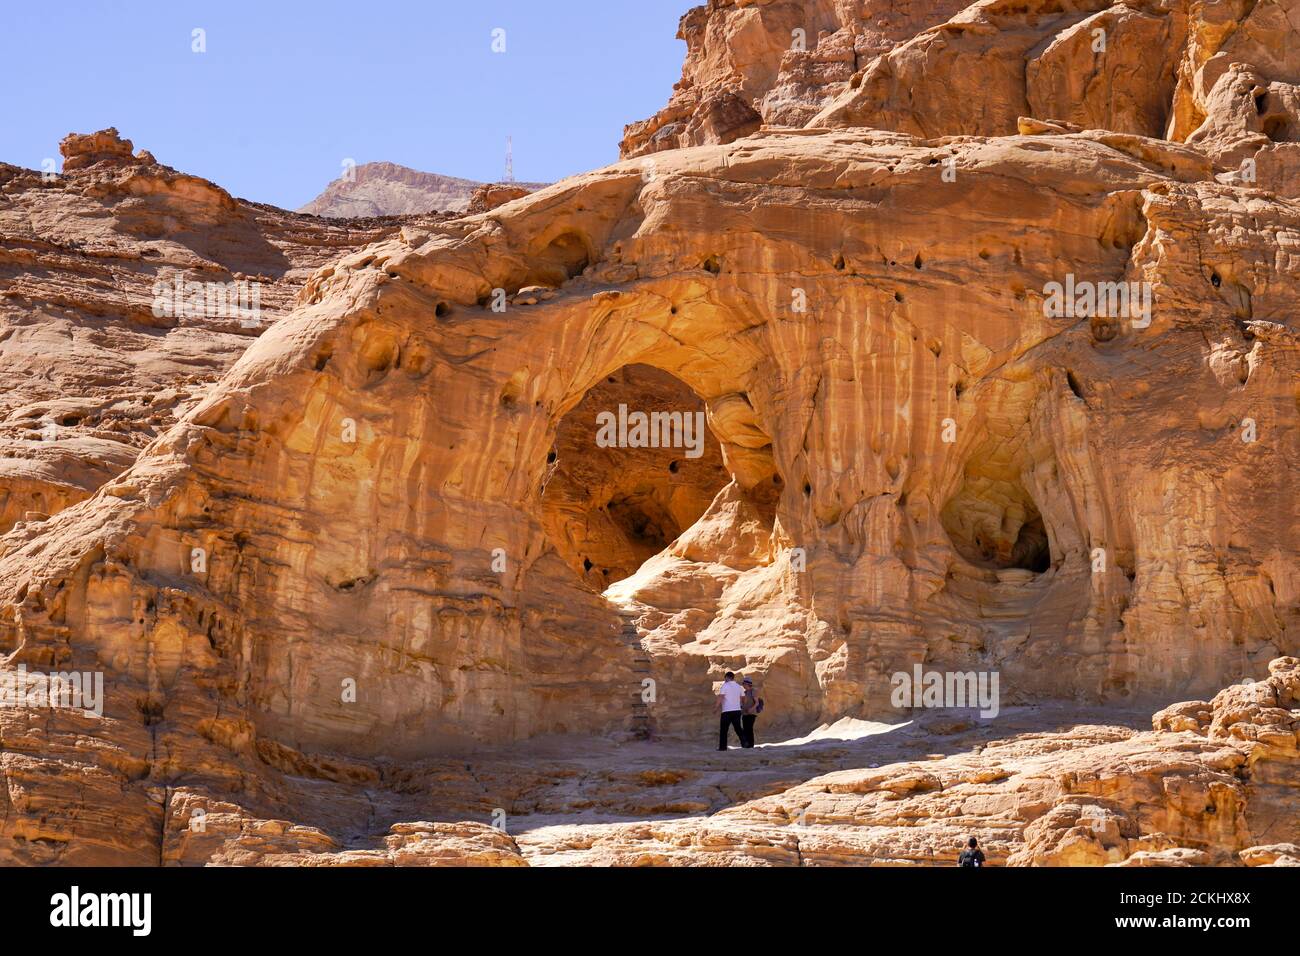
column 387, row 189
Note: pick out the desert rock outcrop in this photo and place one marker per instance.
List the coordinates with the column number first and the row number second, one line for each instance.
column 491, row 195
column 91, row 371
column 999, row 370
column 1062, row 523
column 387, row 189
column 1220, row 76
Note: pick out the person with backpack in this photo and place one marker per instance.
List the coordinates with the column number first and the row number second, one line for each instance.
column 750, row 707
column 972, row 855
column 728, row 704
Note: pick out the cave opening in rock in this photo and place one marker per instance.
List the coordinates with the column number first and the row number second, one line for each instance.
column 563, row 258
column 608, row 510
column 1032, row 552
column 994, row 523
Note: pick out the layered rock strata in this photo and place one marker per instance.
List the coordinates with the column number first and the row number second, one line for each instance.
column 998, row 361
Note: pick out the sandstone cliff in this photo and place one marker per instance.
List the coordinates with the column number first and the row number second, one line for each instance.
column 387, row 537
column 90, row 371
column 924, row 307
column 1222, row 76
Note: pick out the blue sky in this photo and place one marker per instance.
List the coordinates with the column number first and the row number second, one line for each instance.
column 288, row 89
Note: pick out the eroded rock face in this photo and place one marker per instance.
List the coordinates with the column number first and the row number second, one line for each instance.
column 353, row 477
column 608, row 510
column 91, row 370
column 1221, row 76
column 490, row 195
column 774, row 62
column 379, row 541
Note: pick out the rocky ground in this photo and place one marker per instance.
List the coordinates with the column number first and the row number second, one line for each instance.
column 1211, row 783
column 361, row 584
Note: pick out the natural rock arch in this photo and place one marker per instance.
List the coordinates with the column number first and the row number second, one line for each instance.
column 608, row 509
column 353, row 477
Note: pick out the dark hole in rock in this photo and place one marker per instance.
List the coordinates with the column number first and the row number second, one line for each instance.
column 571, row 253
column 994, row 523
column 1104, row 328
column 565, row 257
column 1032, row 551
column 619, row 506
column 1276, row 128
column 355, row 583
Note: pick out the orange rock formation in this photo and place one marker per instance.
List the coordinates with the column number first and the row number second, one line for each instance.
column 991, row 314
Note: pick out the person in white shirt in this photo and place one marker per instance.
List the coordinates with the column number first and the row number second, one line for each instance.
column 728, row 705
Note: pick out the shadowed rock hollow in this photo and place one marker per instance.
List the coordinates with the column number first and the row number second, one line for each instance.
column 911, row 460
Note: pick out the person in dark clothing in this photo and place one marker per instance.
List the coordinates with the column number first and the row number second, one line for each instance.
column 728, row 705
column 972, row 855
column 750, row 707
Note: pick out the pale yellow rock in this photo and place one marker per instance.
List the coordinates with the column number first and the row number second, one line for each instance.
column 378, row 563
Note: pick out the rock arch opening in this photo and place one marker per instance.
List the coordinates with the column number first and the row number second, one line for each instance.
column 563, row 258
column 994, row 523
column 609, row 506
